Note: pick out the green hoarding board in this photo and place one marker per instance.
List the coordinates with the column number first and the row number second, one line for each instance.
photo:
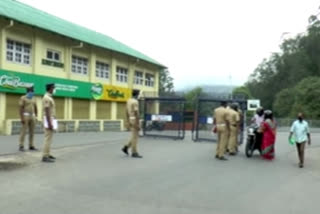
column 16, row 82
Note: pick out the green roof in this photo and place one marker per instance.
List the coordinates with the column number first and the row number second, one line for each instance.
column 28, row 15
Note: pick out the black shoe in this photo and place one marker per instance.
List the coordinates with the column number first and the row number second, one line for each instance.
column 125, row 150
column 223, row 158
column 21, row 149
column 232, row 153
column 32, row 148
column 51, row 157
column 136, row 155
column 47, row 160
column 217, row 157
column 301, row 165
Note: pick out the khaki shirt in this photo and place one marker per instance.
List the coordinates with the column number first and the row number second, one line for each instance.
column 233, row 117
column 48, row 102
column 132, row 107
column 220, row 114
column 28, row 105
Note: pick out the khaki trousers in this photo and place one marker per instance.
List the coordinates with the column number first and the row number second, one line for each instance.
column 134, row 138
column 47, row 142
column 232, row 144
column 223, row 134
column 29, row 124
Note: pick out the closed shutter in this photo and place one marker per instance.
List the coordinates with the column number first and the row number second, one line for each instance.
column 121, row 111
column 103, row 110
column 12, row 106
column 80, row 109
column 59, row 107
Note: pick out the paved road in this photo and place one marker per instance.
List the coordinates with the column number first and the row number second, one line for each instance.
column 173, row 177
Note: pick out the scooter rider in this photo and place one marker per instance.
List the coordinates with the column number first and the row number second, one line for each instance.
column 258, row 118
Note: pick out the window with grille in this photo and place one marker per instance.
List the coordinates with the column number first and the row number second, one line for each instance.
column 53, row 55
column 149, row 80
column 138, row 78
column 80, row 65
column 102, row 70
column 18, row 52
column 122, row 74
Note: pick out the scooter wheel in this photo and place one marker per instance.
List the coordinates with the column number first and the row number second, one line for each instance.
column 248, row 150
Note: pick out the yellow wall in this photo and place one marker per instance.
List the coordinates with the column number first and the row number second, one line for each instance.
column 68, row 108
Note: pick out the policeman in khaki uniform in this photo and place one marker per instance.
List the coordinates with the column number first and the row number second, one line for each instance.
column 221, row 124
column 133, row 118
column 233, row 121
column 49, row 112
column 28, row 114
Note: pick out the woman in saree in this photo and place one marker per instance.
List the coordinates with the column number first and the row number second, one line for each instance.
column 268, row 128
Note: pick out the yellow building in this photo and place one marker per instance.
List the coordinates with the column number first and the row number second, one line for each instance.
column 94, row 74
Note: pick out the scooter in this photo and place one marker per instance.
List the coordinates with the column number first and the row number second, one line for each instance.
column 254, row 140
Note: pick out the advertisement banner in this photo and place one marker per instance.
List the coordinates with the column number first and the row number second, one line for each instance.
column 16, row 82
column 110, row 93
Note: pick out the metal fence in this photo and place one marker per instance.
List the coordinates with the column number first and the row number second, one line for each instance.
column 203, row 122
column 164, row 117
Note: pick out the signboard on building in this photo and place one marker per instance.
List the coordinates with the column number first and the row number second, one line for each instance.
column 16, row 82
column 253, row 105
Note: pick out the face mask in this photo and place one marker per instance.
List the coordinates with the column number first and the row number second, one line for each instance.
column 300, row 119
column 30, row 95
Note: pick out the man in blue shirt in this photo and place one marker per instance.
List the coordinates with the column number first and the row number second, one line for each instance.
column 301, row 133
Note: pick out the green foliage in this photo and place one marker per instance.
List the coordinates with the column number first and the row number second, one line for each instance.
column 242, row 92
column 307, row 99
column 166, row 86
column 284, row 102
column 191, row 97
column 288, row 82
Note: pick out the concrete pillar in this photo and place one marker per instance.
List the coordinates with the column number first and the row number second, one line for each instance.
column 68, row 109
column 93, row 110
column 131, row 70
column 36, row 52
column 113, row 110
column 2, row 112
column 40, row 107
column 2, row 50
column 113, row 70
column 67, row 61
column 92, row 67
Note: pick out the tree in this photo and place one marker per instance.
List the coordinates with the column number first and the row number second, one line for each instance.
column 166, row 86
column 298, row 59
column 242, row 92
column 307, row 99
column 284, row 102
column 191, row 97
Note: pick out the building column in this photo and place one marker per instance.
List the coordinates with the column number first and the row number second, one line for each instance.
column 113, row 70
column 68, row 109
column 2, row 115
column 93, row 110
column 36, row 51
column 92, row 67
column 39, row 107
column 2, row 50
column 114, row 111
column 67, row 61
column 131, row 70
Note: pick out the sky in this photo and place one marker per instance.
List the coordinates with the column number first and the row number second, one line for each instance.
column 202, row 42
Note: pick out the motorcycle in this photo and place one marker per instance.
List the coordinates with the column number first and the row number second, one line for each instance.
column 155, row 125
column 254, row 140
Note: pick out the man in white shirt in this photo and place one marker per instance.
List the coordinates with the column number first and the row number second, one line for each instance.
column 301, row 133
column 258, row 117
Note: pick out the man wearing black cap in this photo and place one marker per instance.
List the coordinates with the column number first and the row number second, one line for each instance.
column 49, row 112
column 28, row 115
